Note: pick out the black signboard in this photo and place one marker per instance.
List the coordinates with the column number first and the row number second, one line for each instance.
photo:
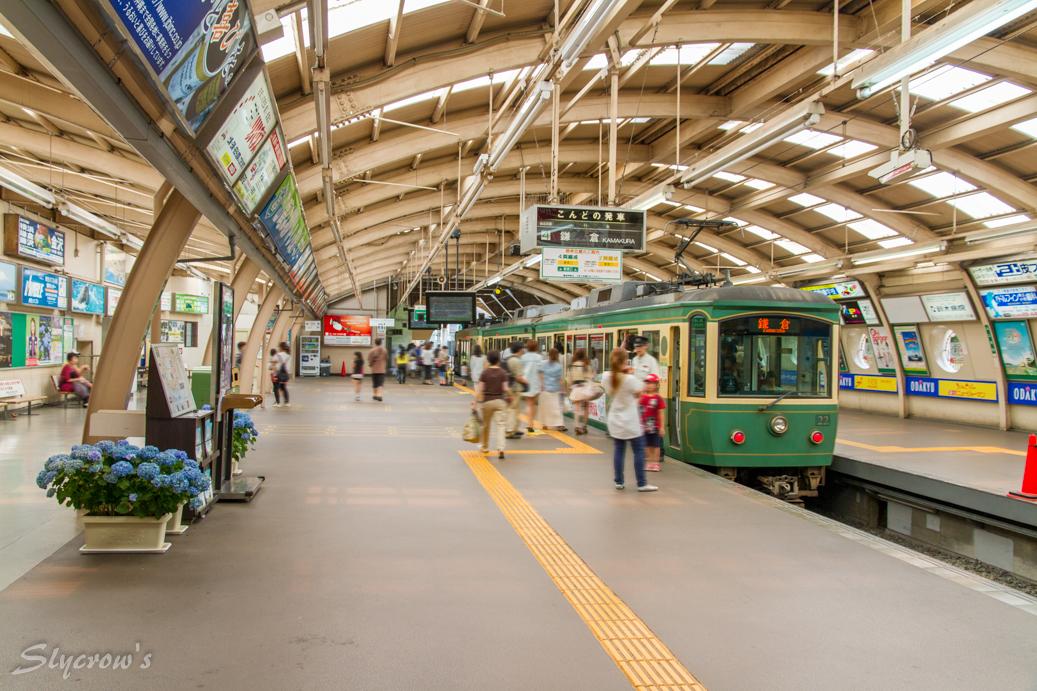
column 582, row 227
column 450, row 307
column 417, row 322
column 852, row 312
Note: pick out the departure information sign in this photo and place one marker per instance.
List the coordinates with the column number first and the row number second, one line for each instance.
column 582, row 227
column 576, row 265
column 450, row 307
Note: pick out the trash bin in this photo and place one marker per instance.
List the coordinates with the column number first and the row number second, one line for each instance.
column 325, row 368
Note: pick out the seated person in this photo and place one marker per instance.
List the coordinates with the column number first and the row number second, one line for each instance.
column 71, row 378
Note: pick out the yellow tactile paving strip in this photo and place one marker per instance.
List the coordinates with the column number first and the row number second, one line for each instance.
column 643, row 658
column 904, row 449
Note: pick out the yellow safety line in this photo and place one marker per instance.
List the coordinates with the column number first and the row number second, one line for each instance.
column 647, row 663
column 902, row 449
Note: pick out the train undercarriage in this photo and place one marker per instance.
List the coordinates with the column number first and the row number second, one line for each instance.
column 787, row 484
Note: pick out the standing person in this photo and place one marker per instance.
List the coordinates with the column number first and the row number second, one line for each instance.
column 531, row 371
column 358, row 373
column 492, row 395
column 377, row 358
column 443, row 365
column 71, row 378
column 623, row 421
column 652, row 420
column 477, row 363
column 644, row 364
column 239, row 354
column 282, row 375
column 552, row 383
column 402, row 360
column 428, row 358
column 580, row 372
column 517, row 381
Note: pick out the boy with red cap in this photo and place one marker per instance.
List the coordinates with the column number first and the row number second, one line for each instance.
column 652, row 406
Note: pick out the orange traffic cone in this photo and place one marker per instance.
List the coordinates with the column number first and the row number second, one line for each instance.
column 1029, row 489
column 343, row 368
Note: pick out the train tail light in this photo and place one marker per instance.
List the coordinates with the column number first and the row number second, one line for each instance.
column 738, row 436
column 816, row 437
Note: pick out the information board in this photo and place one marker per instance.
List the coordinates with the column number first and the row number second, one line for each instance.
column 41, row 289
column 190, row 304
column 87, row 298
column 836, row 291
column 1007, row 272
column 172, row 331
column 1014, row 302
column 165, row 303
column 113, row 300
column 241, row 135
column 948, row 307
column 582, row 227
column 284, row 220
column 450, row 307
column 8, row 293
column 416, row 319
column 171, row 372
column 261, row 172
column 1013, row 337
column 25, row 237
column 341, row 329
column 581, row 265
column 114, row 266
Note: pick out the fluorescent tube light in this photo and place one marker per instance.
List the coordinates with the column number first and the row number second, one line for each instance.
column 526, row 115
column 793, row 120
column 657, row 194
column 535, row 259
column 494, row 280
column 752, row 278
column 81, row 215
column 591, row 22
column 977, row 19
column 793, row 270
column 1027, row 228
column 872, row 257
column 16, row 183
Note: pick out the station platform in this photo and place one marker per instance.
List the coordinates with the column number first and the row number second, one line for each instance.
column 384, row 552
column 962, row 465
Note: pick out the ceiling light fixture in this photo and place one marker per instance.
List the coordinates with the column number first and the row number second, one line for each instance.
column 872, row 257
column 16, row 183
column 589, row 25
column 659, row 193
column 81, row 215
column 526, row 115
column 794, row 270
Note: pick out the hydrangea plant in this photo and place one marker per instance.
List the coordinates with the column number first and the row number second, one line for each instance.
column 117, row 478
column 245, row 435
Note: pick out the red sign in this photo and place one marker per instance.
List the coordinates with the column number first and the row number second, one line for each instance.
column 772, row 326
column 343, row 329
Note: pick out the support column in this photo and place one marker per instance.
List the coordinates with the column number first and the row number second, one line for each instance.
column 243, row 279
column 555, row 141
column 255, row 340
column 1004, row 412
column 118, row 363
column 898, row 366
column 613, row 131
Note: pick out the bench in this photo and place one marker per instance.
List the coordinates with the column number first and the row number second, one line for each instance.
column 57, row 389
column 12, row 393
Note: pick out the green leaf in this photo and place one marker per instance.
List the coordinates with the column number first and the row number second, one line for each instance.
column 123, row 484
column 123, row 508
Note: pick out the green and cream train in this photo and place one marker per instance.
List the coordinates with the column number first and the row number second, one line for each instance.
column 749, row 373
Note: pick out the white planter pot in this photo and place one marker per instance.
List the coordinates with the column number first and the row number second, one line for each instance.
column 174, row 526
column 234, row 468
column 126, row 534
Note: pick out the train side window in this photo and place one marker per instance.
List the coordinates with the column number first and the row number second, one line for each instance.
column 697, row 357
column 653, row 343
column 598, row 354
column 623, row 338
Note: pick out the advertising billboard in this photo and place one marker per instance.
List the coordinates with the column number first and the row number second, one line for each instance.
column 87, row 298
column 8, row 293
column 25, row 237
column 284, row 221
column 1015, row 302
column 340, row 329
column 113, row 300
column 190, row 304
column 261, row 172
column 41, row 289
column 244, row 131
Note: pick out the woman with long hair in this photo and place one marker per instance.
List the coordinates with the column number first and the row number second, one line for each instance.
column 553, row 383
column 531, row 373
column 580, row 372
column 477, row 363
column 624, row 420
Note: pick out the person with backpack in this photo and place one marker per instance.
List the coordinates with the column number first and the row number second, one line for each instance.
column 376, row 358
column 624, row 420
column 283, row 358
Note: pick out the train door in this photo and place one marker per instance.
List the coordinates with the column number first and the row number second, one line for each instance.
column 673, row 406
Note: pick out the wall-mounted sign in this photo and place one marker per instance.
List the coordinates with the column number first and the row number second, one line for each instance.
column 1017, row 355
column 851, row 312
column 284, row 220
column 166, row 302
column 416, row 318
column 582, row 227
column 113, row 300
column 912, row 354
column 24, row 237
column 241, row 135
column 1008, row 272
column 838, row 291
column 261, row 172
column 950, row 388
column 882, row 348
column 114, row 266
column 450, row 307
column 868, row 312
column 581, row 265
column 191, row 304
column 8, row 292
column 193, row 49
column 87, row 298
column 312, row 326
column 867, row 382
column 905, row 310
column 948, row 307
column 383, row 323
column 41, row 289
column 347, row 330
column 1022, row 393
column 1017, row 301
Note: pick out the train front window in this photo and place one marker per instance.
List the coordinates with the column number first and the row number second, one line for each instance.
column 771, row 355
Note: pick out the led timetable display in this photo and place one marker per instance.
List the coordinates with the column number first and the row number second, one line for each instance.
column 582, row 227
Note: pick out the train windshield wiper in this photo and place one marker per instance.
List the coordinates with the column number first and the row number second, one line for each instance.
column 765, row 407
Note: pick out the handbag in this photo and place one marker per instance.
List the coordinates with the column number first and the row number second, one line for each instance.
column 587, row 391
column 472, row 431
column 567, row 405
column 282, row 374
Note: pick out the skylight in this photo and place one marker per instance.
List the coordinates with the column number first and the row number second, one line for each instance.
column 1007, row 221
column 806, row 199
column 600, row 61
column 730, row 177
column 736, row 260
column 814, row 140
column 853, row 57
column 707, row 247
column 942, row 184
column 1028, row 127
column 694, row 209
column 731, row 124
column 670, row 166
column 981, row 205
column 873, row 230
column 731, row 54
column 837, row 213
column 297, row 142
column 851, row 148
column 792, row 247
column 811, row 258
column 990, row 97
column 739, row 221
column 428, row 95
column 762, row 232
column 690, row 54
column 752, row 269
column 895, row 242
column 282, row 46
column 759, row 184
column 945, row 81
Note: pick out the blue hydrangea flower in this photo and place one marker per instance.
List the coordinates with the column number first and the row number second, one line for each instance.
column 45, row 477
column 73, row 464
column 196, row 503
column 178, row 482
column 191, row 465
column 165, row 458
column 250, row 424
column 122, row 469
column 96, row 467
column 206, row 407
column 105, row 446
column 192, row 491
column 51, row 492
column 122, row 442
column 148, row 471
column 181, row 455
column 239, row 424
column 148, row 452
column 111, row 478
column 81, row 453
column 55, row 462
column 160, row 481
column 132, row 497
column 94, row 456
column 202, row 484
column 123, row 453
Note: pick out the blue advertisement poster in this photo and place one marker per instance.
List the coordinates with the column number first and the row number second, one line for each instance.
column 87, row 298
column 284, row 220
column 1019, row 302
column 7, row 289
column 1016, row 349
column 44, row 290
column 194, row 48
column 37, row 241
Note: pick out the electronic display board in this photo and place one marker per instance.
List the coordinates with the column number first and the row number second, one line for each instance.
column 450, row 307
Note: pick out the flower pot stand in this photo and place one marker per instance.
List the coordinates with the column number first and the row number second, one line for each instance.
column 125, row 535
column 235, row 470
column 175, row 527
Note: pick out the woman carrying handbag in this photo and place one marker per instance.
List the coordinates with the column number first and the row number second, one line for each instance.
column 624, row 419
column 579, row 374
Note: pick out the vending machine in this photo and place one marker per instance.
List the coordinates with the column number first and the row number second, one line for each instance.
column 309, row 356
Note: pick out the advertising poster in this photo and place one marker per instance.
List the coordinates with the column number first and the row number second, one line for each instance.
column 284, row 220
column 244, row 131
column 172, row 331
column 6, row 339
column 7, row 284
column 868, row 312
column 114, row 266
column 911, row 352
column 44, row 290
column 113, row 300
column 882, row 348
column 1008, row 272
column 261, row 172
column 37, row 241
column 68, row 331
column 839, row 291
column 852, row 312
column 45, row 341
column 1017, row 302
column 597, row 266
column 191, row 304
column 226, row 339
column 347, row 330
column 949, row 388
column 1016, row 349
column 194, row 48
column 166, row 302
column 87, row 297
column 32, row 341
column 948, row 307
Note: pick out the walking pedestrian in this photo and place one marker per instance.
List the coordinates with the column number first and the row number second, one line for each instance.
column 428, row 359
column 358, row 372
column 552, row 387
column 377, row 358
column 580, row 372
column 517, row 382
column 531, row 371
column 282, row 375
column 492, row 395
column 272, row 366
column 477, row 363
column 623, row 420
column 402, row 361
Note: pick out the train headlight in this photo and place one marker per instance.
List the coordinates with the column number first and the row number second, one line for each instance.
column 778, row 425
column 738, row 436
column 816, row 437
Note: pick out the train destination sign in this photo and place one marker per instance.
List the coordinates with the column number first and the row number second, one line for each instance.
column 582, row 227
column 581, row 265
